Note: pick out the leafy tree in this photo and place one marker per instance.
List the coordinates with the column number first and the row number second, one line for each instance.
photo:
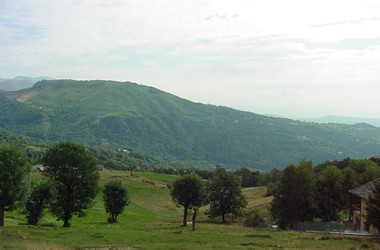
column 14, row 169
column 350, row 181
column 115, row 199
column 246, row 177
column 37, row 201
column 74, row 176
column 367, row 170
column 374, row 206
column 376, row 159
column 132, row 167
column 329, row 193
column 254, row 219
column 251, row 179
column 294, row 195
column 371, row 172
column 188, row 191
column 225, row 194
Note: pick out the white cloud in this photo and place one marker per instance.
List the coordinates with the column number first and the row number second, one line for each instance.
column 267, row 54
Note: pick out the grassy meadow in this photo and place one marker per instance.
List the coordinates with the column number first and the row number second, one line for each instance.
column 152, row 221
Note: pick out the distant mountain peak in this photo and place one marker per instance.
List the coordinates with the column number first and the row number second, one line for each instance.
column 344, row 120
column 20, row 82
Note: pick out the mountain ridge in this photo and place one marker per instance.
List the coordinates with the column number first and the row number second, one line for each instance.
column 159, row 123
column 344, row 120
column 20, row 82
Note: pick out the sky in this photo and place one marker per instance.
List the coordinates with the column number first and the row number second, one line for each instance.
column 292, row 58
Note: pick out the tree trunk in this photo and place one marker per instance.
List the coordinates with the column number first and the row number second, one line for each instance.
column 185, row 208
column 223, row 218
column 194, row 217
column 1, row 216
column 66, row 222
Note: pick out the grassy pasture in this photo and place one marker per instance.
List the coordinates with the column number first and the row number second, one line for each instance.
column 152, row 221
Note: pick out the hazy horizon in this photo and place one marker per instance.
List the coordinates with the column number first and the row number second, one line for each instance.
column 289, row 58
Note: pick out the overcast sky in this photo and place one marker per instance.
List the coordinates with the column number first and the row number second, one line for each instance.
column 294, row 58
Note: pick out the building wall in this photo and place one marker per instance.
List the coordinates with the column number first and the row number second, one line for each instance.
column 364, row 225
column 363, row 214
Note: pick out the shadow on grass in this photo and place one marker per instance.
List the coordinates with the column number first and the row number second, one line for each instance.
column 101, row 223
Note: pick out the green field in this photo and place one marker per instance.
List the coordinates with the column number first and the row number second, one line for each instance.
column 152, row 221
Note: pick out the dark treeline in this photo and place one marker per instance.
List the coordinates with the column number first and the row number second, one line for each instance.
column 248, row 178
column 303, row 192
column 357, row 171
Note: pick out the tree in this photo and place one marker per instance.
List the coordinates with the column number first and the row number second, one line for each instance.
column 294, row 195
column 225, row 194
column 329, row 193
column 14, row 169
column 74, row 176
column 372, row 172
column 350, row 180
column 37, row 201
column 248, row 178
column 132, row 167
column 115, row 199
column 374, row 206
column 188, row 191
column 367, row 170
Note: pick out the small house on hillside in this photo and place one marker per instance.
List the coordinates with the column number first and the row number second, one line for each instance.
column 359, row 205
column 40, row 168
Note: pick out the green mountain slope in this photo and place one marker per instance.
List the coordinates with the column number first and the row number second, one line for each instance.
column 149, row 120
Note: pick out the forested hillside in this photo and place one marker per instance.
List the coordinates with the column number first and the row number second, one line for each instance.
column 128, row 115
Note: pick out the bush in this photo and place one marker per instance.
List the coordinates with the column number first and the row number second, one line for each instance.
column 254, row 220
column 37, row 201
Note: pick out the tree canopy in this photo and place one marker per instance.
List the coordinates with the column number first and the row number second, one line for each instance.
column 115, row 199
column 74, row 176
column 329, row 193
column 294, row 195
column 225, row 194
column 188, row 191
column 14, row 169
column 37, row 201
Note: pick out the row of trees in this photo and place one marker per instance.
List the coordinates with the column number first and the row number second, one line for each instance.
column 248, row 178
column 222, row 191
column 302, row 193
column 69, row 189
